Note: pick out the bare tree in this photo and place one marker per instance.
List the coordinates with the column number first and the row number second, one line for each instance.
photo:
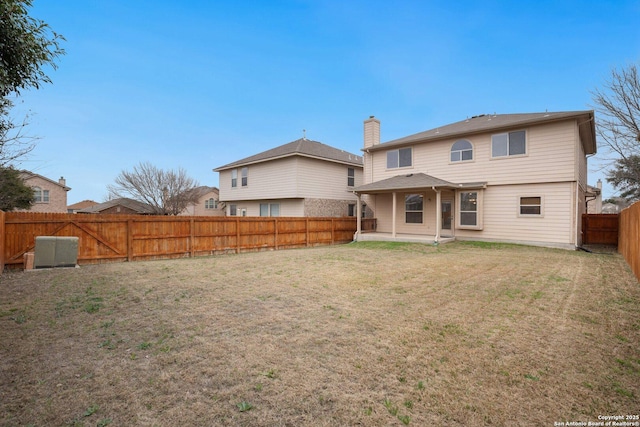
column 167, row 192
column 617, row 108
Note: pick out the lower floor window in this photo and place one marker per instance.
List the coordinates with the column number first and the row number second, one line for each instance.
column 530, row 205
column 413, row 206
column 269, row 209
column 233, row 210
column 469, row 208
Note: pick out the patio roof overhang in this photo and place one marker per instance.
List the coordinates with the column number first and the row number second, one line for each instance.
column 413, row 181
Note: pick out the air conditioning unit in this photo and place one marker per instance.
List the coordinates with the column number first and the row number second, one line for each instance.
column 55, row 251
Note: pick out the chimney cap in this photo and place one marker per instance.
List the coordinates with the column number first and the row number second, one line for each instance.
column 371, row 117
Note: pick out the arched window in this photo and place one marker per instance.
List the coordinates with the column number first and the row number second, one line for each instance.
column 461, row 151
column 211, row 203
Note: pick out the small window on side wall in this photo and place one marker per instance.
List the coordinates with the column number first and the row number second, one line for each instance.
column 234, row 178
column 245, row 176
column 531, row 206
column 351, row 177
column 461, row 151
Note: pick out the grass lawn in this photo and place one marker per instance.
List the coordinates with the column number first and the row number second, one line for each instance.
column 371, row 334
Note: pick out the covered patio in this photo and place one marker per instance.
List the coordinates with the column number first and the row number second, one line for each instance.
column 411, row 208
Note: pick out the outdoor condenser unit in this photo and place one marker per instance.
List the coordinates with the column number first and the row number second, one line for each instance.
column 55, row 251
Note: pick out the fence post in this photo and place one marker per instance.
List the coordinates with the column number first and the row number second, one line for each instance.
column 192, row 251
column 275, row 233
column 2, row 233
column 307, row 230
column 237, row 235
column 333, row 231
column 130, row 240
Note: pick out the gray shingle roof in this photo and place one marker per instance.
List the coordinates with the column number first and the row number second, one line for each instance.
column 301, row 147
column 495, row 122
column 411, row 181
column 134, row 205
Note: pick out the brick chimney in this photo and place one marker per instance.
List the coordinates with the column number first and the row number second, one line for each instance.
column 62, row 181
column 371, row 132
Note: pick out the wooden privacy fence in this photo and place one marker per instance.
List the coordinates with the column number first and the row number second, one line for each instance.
column 600, row 229
column 629, row 240
column 118, row 238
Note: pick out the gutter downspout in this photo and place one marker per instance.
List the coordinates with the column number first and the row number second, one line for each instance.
column 393, row 217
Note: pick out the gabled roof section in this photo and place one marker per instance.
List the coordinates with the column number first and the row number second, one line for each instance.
column 301, row 147
column 412, row 181
column 500, row 122
column 25, row 174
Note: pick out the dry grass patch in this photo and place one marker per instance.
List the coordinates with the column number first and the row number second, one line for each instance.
column 361, row 334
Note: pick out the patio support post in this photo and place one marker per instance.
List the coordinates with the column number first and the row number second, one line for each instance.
column 393, row 216
column 358, row 217
column 438, row 213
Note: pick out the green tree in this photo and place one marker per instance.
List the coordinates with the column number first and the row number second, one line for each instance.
column 617, row 108
column 27, row 47
column 14, row 193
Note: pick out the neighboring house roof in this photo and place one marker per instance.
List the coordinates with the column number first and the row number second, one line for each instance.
column 25, row 175
column 134, row 205
column 203, row 189
column 412, row 181
column 82, row 205
column 301, row 147
column 496, row 122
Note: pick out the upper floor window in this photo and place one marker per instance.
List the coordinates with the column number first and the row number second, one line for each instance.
column 211, row 203
column 508, row 144
column 40, row 195
column 413, row 206
column 245, row 176
column 234, row 177
column 461, row 151
column 351, row 177
column 400, row 158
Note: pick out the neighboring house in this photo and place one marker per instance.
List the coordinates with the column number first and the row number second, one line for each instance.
column 208, row 203
column 593, row 197
column 74, row 208
column 49, row 195
column 119, row 206
column 301, row 178
column 518, row 178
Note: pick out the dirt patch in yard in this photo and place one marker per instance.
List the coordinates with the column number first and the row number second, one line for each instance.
column 369, row 334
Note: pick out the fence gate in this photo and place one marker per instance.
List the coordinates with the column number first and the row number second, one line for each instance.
column 600, row 229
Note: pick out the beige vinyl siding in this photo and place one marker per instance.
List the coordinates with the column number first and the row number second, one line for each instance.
column 581, row 165
column 291, row 177
column 550, row 157
column 275, row 179
column 503, row 222
column 318, row 179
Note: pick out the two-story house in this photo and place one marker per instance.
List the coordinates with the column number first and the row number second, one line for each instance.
column 518, row 178
column 208, row 203
column 301, row 178
column 49, row 195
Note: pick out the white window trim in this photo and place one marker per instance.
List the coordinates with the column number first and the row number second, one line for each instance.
column 414, row 224
column 479, row 216
column 386, row 161
column 511, row 156
column 473, row 153
column 518, row 206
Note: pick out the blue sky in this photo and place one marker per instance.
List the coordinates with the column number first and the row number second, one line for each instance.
column 197, row 84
